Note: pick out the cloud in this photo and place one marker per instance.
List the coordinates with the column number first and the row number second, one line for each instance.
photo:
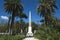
column 4, row 17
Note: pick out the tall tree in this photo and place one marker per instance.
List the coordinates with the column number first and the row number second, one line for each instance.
column 13, row 7
column 46, row 9
column 22, row 23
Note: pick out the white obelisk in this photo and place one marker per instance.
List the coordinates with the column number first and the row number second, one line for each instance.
column 29, row 27
column 30, row 34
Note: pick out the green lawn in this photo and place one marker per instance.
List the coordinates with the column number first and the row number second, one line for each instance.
column 10, row 37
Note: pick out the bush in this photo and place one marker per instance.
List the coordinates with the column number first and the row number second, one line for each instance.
column 10, row 37
column 47, row 33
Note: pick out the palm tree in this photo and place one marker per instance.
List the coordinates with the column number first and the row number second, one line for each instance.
column 13, row 7
column 46, row 9
column 22, row 23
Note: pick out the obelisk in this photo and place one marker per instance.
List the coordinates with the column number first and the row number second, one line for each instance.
column 29, row 34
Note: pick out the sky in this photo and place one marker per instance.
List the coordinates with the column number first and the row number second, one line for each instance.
column 29, row 5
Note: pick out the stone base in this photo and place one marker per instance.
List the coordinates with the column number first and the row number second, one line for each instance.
column 29, row 35
column 30, row 38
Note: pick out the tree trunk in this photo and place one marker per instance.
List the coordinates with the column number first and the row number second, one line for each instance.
column 46, row 20
column 12, row 23
column 9, row 25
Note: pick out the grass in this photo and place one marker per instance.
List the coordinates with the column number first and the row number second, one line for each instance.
column 10, row 37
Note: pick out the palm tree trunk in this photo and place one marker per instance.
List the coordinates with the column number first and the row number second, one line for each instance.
column 9, row 24
column 12, row 23
column 21, row 25
column 46, row 20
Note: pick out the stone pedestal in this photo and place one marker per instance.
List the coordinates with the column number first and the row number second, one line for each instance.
column 30, row 38
column 29, row 34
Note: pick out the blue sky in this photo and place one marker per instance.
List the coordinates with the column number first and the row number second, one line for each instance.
column 29, row 5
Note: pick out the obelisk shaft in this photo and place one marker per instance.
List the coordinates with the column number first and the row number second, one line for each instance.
column 30, row 18
column 29, row 28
